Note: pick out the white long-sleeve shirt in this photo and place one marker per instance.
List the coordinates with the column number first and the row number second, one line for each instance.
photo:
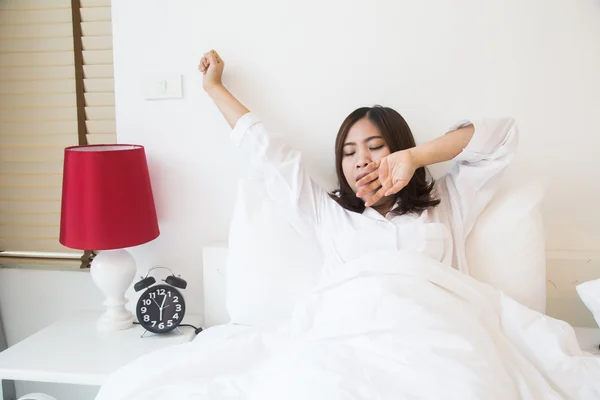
column 439, row 232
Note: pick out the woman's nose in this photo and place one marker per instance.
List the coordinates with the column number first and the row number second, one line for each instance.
column 362, row 164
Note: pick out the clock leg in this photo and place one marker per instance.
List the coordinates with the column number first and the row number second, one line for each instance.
column 143, row 334
column 180, row 332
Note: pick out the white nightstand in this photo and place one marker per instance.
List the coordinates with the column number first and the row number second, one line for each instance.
column 72, row 351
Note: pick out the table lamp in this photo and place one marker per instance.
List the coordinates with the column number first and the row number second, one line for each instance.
column 107, row 205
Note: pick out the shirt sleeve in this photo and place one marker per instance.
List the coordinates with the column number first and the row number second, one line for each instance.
column 279, row 167
column 477, row 171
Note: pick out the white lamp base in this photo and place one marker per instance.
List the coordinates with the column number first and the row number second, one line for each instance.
column 113, row 272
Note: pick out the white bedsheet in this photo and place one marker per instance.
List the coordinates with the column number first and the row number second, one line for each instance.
column 391, row 325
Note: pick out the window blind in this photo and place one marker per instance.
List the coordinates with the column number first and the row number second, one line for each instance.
column 96, row 33
column 40, row 115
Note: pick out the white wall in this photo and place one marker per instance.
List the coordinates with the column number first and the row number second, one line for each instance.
column 302, row 67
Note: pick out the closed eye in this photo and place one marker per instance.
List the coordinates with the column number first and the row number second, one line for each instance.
column 370, row 148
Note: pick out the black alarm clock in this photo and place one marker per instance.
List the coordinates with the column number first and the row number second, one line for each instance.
column 161, row 308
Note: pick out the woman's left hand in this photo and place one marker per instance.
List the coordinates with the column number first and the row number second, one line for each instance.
column 392, row 173
column 211, row 66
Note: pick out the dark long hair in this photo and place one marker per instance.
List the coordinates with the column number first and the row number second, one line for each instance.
column 417, row 195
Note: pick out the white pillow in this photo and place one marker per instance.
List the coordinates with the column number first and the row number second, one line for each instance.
column 271, row 262
column 589, row 292
column 506, row 247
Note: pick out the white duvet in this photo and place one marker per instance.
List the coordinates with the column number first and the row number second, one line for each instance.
column 392, row 325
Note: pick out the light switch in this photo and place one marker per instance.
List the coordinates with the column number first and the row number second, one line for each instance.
column 163, row 87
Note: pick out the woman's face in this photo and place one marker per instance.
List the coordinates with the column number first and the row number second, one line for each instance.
column 364, row 144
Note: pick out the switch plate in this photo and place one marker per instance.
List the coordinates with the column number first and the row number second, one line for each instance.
column 163, row 87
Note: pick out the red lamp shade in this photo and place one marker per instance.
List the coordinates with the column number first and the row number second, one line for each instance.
column 107, row 198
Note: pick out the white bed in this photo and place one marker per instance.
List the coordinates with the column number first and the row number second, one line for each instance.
column 215, row 309
column 346, row 340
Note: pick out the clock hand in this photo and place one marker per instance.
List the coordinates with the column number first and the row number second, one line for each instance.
column 161, row 307
column 155, row 303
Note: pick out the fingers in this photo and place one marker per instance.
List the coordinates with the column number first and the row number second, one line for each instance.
column 375, row 198
column 203, row 66
column 213, row 56
column 369, row 202
column 374, row 185
column 373, row 165
column 368, row 178
column 216, row 55
column 208, row 58
column 396, row 188
column 381, row 190
column 371, row 176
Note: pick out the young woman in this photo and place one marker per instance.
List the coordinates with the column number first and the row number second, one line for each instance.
column 385, row 199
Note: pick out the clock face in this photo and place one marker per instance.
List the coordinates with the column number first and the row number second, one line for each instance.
column 160, row 309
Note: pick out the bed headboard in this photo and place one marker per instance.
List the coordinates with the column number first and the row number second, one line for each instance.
column 214, row 263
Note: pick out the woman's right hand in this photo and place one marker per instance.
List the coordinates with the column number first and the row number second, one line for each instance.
column 211, row 66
